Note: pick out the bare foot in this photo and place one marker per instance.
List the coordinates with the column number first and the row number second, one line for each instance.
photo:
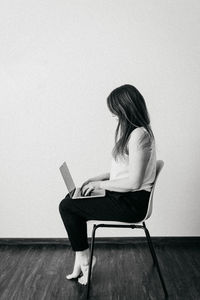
column 85, row 269
column 76, row 271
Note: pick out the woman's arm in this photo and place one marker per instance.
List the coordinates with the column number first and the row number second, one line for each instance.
column 133, row 182
column 139, row 154
column 103, row 176
column 98, row 178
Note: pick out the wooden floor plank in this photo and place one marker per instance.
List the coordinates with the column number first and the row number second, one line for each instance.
column 122, row 272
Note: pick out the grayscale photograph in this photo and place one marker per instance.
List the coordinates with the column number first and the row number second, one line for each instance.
column 99, row 153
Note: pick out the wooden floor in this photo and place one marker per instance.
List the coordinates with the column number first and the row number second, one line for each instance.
column 122, row 272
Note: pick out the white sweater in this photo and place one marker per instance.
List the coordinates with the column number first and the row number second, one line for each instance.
column 120, row 168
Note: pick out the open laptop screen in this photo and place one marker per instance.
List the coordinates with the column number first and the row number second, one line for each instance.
column 67, row 178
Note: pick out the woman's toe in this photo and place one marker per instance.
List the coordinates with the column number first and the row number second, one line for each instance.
column 83, row 280
column 70, row 276
column 74, row 275
column 85, row 269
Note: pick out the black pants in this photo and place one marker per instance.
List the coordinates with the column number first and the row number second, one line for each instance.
column 115, row 206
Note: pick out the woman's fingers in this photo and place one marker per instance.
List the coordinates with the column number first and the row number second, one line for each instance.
column 88, row 191
column 84, row 189
column 84, row 183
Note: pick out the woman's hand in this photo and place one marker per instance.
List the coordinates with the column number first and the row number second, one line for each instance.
column 101, row 177
column 84, row 184
column 87, row 188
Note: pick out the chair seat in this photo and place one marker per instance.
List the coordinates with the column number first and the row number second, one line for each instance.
column 114, row 222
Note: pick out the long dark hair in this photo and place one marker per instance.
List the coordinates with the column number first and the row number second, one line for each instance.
column 129, row 106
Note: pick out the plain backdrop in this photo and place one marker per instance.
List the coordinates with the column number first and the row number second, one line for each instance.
column 59, row 60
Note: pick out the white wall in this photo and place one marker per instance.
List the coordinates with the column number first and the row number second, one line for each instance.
column 59, row 60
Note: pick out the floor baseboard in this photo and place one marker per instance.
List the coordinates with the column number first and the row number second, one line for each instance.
column 101, row 240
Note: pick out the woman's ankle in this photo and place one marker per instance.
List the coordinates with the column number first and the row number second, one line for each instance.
column 83, row 256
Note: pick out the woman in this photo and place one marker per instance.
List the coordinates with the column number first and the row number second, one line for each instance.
column 128, row 184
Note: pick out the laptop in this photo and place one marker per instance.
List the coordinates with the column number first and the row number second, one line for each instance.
column 75, row 192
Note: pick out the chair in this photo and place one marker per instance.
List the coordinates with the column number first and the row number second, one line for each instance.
column 159, row 166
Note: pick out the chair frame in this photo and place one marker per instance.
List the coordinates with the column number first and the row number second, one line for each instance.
column 139, row 225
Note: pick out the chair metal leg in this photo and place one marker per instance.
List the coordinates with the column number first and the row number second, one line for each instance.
column 150, row 243
column 155, row 258
column 91, row 258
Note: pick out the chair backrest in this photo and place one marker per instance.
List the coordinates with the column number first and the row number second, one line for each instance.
column 159, row 166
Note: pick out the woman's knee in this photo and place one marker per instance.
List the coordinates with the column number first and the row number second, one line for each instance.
column 64, row 204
